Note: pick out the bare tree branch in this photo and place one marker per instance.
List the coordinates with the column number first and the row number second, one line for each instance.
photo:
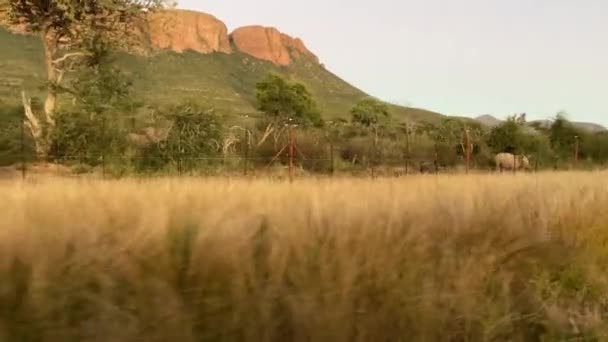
column 33, row 124
column 69, row 55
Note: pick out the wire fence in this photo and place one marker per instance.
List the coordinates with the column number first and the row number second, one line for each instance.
column 337, row 161
column 295, row 153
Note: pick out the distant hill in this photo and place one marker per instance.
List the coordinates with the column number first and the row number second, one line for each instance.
column 191, row 55
column 587, row 126
column 488, row 120
column 491, row 121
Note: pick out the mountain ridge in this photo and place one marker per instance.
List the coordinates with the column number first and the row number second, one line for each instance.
column 192, row 54
column 491, row 121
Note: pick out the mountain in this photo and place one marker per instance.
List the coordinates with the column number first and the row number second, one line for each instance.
column 586, row 126
column 191, row 55
column 488, row 120
column 491, row 121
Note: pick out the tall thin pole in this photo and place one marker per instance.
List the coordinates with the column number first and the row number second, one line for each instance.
column 576, row 145
column 291, row 150
column 103, row 150
column 23, row 147
column 246, row 152
column 407, row 148
column 331, row 158
column 374, row 152
column 468, row 149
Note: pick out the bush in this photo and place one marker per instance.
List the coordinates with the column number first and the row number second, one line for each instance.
column 15, row 145
column 86, row 138
column 193, row 140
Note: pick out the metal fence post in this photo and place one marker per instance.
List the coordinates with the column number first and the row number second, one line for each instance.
column 291, row 153
column 407, row 148
column 576, row 145
column 103, row 149
column 245, row 161
column 23, row 171
column 331, row 158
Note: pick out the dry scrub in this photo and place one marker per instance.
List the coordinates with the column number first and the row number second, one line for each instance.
column 424, row 258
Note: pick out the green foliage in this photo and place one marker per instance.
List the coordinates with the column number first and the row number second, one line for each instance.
column 15, row 145
column 282, row 101
column 86, row 138
column 72, row 18
column 507, row 137
column 90, row 131
column 103, row 88
column 595, row 146
column 194, row 133
column 370, row 112
column 563, row 136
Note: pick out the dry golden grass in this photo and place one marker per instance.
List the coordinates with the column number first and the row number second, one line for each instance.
column 422, row 258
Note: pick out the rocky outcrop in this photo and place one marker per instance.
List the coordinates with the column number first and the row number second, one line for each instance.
column 181, row 30
column 269, row 44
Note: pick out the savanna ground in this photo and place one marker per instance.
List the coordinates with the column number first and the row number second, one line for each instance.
column 421, row 258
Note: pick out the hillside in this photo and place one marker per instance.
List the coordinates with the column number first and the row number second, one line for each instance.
column 191, row 56
column 491, row 121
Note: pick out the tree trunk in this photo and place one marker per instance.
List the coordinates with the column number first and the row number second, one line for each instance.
column 33, row 124
column 49, row 41
column 42, row 133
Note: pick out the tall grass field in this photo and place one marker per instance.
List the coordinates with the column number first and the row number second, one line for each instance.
column 420, row 258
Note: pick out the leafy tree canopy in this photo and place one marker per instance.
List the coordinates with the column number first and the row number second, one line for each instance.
column 509, row 136
column 563, row 135
column 281, row 101
column 369, row 112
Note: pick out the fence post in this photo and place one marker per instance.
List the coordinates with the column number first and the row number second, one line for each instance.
column 331, row 158
column 468, row 149
column 373, row 159
column 291, row 152
column 23, row 171
column 246, row 152
column 407, row 148
column 576, row 151
column 179, row 153
column 103, row 149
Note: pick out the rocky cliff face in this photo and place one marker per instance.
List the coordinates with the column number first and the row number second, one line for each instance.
column 269, row 44
column 181, row 30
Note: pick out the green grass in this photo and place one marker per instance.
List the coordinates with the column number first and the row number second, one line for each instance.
column 226, row 82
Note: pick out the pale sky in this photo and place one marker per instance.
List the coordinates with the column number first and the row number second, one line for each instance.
column 456, row 57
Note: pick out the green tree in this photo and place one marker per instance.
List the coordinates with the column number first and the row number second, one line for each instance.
column 71, row 32
column 448, row 137
column 509, row 136
column 563, row 136
column 284, row 102
column 369, row 112
column 595, row 146
column 194, row 133
column 90, row 130
column 14, row 146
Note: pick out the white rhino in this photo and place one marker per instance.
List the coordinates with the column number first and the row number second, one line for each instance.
column 508, row 161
